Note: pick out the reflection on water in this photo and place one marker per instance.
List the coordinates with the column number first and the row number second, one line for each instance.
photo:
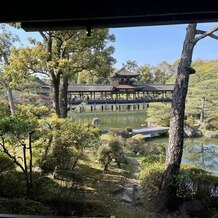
column 200, row 152
column 132, row 119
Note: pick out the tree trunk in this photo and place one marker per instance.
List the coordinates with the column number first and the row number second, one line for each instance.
column 168, row 189
column 30, row 161
column 202, row 110
column 55, row 94
column 63, row 97
column 26, row 169
column 10, row 98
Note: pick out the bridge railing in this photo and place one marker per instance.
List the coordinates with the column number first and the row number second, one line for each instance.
column 120, row 101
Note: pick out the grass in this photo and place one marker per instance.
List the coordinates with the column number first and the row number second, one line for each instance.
column 104, row 188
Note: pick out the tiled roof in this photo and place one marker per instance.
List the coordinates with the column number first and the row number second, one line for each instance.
column 157, row 87
column 147, row 87
column 109, row 88
column 89, row 88
column 125, row 73
column 125, row 86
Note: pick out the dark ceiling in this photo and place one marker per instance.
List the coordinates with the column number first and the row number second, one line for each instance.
column 66, row 14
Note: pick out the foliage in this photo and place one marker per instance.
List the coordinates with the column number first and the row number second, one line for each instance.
column 6, row 164
column 15, row 128
column 90, row 77
column 138, row 137
column 202, row 95
column 158, row 114
column 131, row 65
column 151, row 159
column 167, row 69
column 44, row 189
column 13, row 184
column 138, row 145
column 154, row 149
column 145, row 74
column 190, row 121
column 119, row 132
column 157, row 75
column 23, row 206
column 31, row 111
column 110, row 150
column 210, row 123
column 6, row 44
column 107, row 137
column 135, row 143
column 151, row 175
column 194, row 183
column 62, row 56
column 4, row 108
column 67, row 141
column 128, row 129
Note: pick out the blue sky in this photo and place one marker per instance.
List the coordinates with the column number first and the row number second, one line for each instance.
column 152, row 44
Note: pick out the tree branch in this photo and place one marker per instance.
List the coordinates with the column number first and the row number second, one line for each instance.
column 4, row 56
column 5, row 150
column 204, row 34
column 43, row 35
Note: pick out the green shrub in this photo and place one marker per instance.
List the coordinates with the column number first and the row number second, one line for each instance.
column 44, row 188
column 154, row 149
column 135, row 143
column 139, row 137
column 6, row 164
column 212, row 123
column 128, row 129
column 48, row 165
column 119, row 132
column 111, row 151
column 12, row 184
column 23, row 207
column 190, row 122
column 107, row 137
column 138, row 146
column 151, row 175
column 4, row 108
column 151, row 159
column 194, row 183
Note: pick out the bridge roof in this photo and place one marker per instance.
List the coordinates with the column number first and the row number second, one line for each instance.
column 90, row 88
column 157, row 87
column 109, row 88
column 126, row 86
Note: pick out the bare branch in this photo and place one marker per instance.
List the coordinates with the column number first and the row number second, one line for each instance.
column 204, row 34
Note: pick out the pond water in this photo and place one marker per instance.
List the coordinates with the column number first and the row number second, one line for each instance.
column 199, row 152
column 132, row 119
